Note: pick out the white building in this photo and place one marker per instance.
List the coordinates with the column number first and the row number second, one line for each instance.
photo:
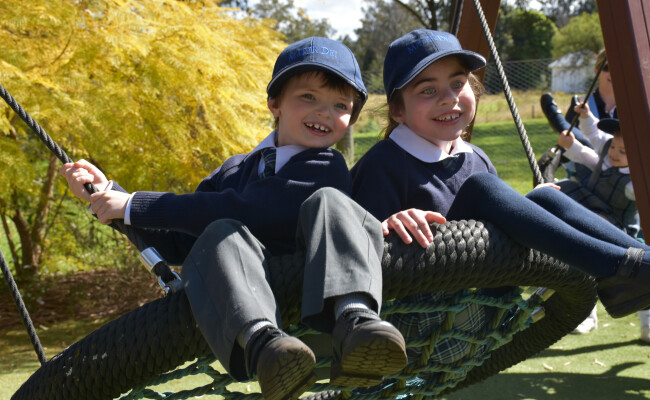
column 572, row 73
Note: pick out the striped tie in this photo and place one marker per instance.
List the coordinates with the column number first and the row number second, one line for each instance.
column 268, row 154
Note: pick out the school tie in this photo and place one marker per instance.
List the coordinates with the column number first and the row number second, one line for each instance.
column 268, row 154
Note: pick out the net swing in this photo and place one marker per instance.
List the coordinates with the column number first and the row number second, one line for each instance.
column 469, row 283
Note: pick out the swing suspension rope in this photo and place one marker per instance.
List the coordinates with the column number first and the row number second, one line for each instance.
column 22, row 310
column 537, row 174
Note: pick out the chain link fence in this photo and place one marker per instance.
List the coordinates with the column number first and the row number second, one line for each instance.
column 522, row 75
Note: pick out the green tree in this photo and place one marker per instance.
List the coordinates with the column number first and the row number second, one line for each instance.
column 581, row 34
column 291, row 21
column 561, row 11
column 383, row 22
column 432, row 14
column 157, row 94
column 525, row 35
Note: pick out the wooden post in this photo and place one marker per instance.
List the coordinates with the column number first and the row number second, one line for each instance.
column 626, row 31
column 471, row 37
column 470, row 33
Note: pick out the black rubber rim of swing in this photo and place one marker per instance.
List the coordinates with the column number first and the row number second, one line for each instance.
column 162, row 335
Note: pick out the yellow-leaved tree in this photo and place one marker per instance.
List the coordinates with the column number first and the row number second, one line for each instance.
column 155, row 93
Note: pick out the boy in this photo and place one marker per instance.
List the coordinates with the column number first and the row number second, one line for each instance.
column 608, row 191
column 281, row 195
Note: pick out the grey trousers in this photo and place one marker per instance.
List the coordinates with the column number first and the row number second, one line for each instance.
column 226, row 276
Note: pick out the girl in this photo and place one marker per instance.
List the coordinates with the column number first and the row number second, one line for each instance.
column 423, row 165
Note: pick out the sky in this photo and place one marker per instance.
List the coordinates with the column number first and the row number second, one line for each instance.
column 343, row 16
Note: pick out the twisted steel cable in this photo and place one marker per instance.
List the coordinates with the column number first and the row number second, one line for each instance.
column 537, row 174
column 61, row 155
column 33, row 336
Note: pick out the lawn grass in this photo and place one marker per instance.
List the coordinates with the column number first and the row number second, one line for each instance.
column 609, row 363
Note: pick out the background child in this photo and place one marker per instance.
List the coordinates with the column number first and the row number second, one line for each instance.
column 602, row 103
column 608, row 191
column 424, row 172
column 288, row 191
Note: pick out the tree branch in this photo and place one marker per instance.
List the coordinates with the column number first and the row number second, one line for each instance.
column 10, row 241
column 412, row 11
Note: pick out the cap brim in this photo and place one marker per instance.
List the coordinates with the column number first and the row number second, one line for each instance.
column 471, row 60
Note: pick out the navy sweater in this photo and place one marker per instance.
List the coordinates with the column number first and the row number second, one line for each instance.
column 387, row 179
column 268, row 207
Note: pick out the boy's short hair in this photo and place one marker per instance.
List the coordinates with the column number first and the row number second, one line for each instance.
column 412, row 53
column 316, row 54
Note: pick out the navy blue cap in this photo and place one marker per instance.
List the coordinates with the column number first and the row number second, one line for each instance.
column 316, row 53
column 413, row 52
column 609, row 125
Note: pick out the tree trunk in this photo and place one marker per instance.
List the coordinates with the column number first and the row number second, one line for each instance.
column 31, row 237
column 346, row 146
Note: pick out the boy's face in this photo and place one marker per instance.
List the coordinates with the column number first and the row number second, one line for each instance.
column 617, row 153
column 438, row 103
column 311, row 114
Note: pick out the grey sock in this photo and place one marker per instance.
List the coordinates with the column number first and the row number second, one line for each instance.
column 246, row 333
column 349, row 301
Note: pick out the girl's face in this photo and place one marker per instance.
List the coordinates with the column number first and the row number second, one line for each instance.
column 617, row 153
column 438, row 103
column 310, row 113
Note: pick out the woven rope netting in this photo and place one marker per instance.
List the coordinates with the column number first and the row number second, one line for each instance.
column 141, row 347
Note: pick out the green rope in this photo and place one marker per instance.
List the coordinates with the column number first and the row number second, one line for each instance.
column 423, row 376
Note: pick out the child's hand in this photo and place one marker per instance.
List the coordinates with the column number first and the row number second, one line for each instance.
column 109, row 205
column 582, row 110
column 549, row 184
column 414, row 221
column 81, row 172
column 566, row 139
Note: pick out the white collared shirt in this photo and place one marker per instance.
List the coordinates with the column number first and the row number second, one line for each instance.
column 283, row 153
column 422, row 149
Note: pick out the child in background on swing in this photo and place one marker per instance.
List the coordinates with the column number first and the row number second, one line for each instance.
column 424, row 172
column 608, row 191
column 289, row 192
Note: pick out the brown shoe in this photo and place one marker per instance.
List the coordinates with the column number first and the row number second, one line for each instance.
column 284, row 365
column 628, row 290
column 365, row 349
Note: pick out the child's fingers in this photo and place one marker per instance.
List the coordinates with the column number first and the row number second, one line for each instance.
column 436, row 217
column 396, row 225
column 65, row 168
column 101, row 208
column 417, row 225
column 384, row 228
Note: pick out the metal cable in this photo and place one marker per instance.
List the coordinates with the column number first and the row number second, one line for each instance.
column 61, row 155
column 33, row 336
column 458, row 14
column 537, row 174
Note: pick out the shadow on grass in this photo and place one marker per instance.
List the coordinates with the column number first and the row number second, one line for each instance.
column 589, row 349
column 558, row 385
